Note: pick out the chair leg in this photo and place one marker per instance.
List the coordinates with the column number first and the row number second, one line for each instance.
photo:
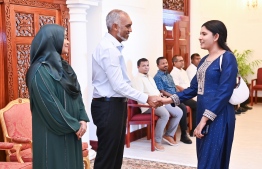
column 256, row 96
column 128, row 136
column 148, row 132
column 251, row 97
column 189, row 118
column 86, row 162
column 152, row 137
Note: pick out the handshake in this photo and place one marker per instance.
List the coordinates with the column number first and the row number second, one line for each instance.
column 157, row 101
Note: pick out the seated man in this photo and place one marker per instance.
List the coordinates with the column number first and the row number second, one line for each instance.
column 192, row 68
column 166, row 85
column 144, row 83
column 181, row 80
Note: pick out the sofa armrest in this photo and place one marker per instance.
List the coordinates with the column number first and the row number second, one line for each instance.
column 21, row 140
column 252, row 82
column 16, row 147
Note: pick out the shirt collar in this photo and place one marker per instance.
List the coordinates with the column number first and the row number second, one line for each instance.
column 142, row 75
column 175, row 68
column 193, row 65
column 162, row 73
column 115, row 42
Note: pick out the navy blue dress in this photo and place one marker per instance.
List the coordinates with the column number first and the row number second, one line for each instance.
column 214, row 88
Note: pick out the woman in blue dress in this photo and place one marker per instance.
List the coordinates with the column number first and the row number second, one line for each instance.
column 213, row 87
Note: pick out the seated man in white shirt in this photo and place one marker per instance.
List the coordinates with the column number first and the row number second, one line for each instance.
column 182, row 82
column 192, row 68
column 145, row 83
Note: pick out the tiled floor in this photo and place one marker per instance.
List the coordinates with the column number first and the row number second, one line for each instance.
column 246, row 152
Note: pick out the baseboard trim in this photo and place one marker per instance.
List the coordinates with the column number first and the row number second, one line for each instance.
column 135, row 135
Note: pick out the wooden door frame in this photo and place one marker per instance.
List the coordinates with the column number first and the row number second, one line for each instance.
column 180, row 15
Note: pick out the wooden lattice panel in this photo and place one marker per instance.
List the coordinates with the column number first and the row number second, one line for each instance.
column 24, row 24
column 43, row 20
column 23, row 62
column 177, row 5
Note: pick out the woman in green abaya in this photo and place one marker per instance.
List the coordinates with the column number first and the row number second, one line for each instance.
column 58, row 113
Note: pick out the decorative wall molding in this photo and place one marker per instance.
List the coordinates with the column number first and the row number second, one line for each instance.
column 78, row 9
column 34, row 3
column 83, row 2
column 9, row 53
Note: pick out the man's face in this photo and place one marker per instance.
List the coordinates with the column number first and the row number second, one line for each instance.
column 163, row 65
column 124, row 28
column 196, row 60
column 179, row 63
column 143, row 67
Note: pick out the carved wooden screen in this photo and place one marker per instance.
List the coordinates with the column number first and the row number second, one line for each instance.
column 25, row 22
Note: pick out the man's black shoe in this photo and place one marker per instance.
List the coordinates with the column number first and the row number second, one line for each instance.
column 185, row 139
column 237, row 112
column 247, row 107
column 241, row 109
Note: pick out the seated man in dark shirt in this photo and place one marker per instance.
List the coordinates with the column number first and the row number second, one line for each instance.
column 166, row 86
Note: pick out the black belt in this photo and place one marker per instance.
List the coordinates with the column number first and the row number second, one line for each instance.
column 111, row 99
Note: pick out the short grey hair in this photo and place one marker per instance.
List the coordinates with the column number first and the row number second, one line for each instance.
column 174, row 58
column 114, row 17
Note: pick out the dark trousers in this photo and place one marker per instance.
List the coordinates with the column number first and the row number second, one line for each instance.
column 110, row 119
column 183, row 120
column 193, row 105
column 245, row 102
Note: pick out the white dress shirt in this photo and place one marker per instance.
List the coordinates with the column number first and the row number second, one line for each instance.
column 145, row 84
column 109, row 73
column 180, row 77
column 191, row 71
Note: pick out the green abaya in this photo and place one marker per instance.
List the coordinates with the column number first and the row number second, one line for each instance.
column 56, row 103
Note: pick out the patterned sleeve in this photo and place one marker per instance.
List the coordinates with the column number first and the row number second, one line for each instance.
column 159, row 82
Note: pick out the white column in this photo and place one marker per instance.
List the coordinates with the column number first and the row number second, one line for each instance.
column 80, row 60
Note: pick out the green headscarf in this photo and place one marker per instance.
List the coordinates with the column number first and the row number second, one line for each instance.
column 46, row 48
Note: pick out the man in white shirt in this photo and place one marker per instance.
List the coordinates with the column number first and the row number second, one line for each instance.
column 146, row 84
column 192, row 68
column 112, row 87
column 182, row 82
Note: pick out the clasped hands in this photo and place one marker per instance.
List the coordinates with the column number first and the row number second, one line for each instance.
column 82, row 129
column 157, row 101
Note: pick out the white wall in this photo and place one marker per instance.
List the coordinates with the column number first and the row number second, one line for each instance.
column 244, row 30
column 144, row 41
column 94, row 34
column 146, row 37
column 244, row 25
